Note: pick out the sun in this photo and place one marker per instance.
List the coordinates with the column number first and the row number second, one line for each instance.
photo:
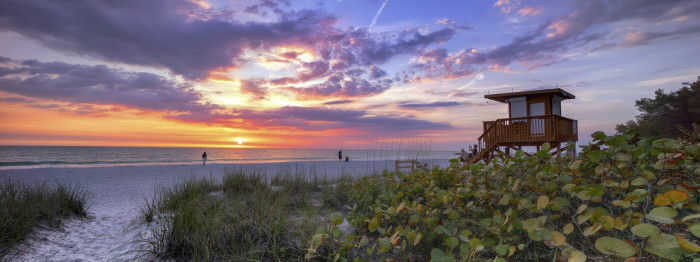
column 240, row 140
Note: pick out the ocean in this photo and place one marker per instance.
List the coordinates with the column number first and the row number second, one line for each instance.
column 24, row 157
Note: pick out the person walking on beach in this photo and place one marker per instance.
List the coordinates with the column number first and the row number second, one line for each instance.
column 204, row 158
column 340, row 155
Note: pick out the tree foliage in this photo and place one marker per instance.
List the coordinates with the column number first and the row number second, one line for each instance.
column 662, row 115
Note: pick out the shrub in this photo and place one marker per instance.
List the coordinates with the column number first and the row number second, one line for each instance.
column 623, row 198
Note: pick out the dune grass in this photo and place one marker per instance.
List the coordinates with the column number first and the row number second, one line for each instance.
column 26, row 206
column 240, row 218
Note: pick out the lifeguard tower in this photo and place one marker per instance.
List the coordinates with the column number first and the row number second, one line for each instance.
column 534, row 117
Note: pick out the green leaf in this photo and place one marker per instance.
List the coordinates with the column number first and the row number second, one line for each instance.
column 531, row 224
column 695, row 229
column 336, row 219
column 640, row 181
column 616, row 140
column 664, row 212
column 437, row 254
column 384, row 244
column 373, row 224
column 598, row 135
column 663, row 241
column 501, row 250
column 452, row 242
column 619, row 248
column 577, row 256
column 568, row 228
column 645, row 230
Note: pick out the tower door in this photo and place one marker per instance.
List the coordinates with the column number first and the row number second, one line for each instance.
column 537, row 125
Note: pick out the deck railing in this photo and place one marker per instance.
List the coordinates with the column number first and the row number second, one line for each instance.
column 549, row 128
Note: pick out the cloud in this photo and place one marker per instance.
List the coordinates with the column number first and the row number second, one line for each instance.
column 185, row 38
column 101, row 85
column 434, row 104
column 254, row 88
column 376, row 72
column 338, row 102
column 309, row 118
column 529, row 10
column 543, row 46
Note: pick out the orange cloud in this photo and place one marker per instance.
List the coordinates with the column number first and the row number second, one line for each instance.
column 561, row 26
column 529, row 10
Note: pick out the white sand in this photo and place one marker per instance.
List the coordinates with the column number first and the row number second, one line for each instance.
column 117, row 192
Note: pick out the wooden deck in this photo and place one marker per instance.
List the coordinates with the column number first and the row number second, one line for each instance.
column 525, row 131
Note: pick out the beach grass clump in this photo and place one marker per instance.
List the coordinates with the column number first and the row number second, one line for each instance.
column 23, row 207
column 240, row 218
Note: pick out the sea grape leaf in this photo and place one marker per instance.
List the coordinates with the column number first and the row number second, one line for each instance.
column 664, row 212
column 645, row 230
column 662, row 200
column 373, row 224
column 542, row 202
column 592, row 229
column 694, row 228
column 452, row 242
column 639, row 181
column 616, row 140
column 667, row 253
column 336, row 219
column 577, row 256
column 677, row 196
column 689, row 217
column 598, row 135
column 384, row 244
column 663, row 241
column 687, row 245
column 568, row 228
column 619, row 248
column 558, row 238
column 501, row 250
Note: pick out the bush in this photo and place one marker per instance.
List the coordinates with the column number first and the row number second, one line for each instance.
column 623, row 198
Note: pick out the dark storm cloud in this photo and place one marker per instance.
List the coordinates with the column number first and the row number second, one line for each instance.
column 161, row 33
column 543, row 45
column 100, row 85
column 302, row 117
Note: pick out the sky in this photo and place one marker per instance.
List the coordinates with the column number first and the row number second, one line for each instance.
column 326, row 74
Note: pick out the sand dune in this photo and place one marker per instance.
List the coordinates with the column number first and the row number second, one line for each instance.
column 117, row 192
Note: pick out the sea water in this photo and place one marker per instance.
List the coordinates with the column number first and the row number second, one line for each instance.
column 22, row 157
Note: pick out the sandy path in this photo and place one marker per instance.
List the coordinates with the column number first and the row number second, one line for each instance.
column 117, row 192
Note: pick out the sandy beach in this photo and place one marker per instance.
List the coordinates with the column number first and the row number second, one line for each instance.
column 117, row 192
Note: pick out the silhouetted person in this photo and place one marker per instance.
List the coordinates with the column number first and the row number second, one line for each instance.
column 340, row 155
column 475, row 149
column 347, row 159
column 204, row 158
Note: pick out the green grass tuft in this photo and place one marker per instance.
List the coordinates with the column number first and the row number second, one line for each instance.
column 24, row 207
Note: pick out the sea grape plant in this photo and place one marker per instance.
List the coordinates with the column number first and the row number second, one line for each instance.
column 623, row 198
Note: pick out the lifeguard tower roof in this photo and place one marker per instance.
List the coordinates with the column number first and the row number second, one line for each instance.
column 554, row 91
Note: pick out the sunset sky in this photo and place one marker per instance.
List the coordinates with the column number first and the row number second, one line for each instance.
column 325, row 74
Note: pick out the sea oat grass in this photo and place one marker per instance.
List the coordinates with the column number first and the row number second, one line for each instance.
column 242, row 218
column 24, row 207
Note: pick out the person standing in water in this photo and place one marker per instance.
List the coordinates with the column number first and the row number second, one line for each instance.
column 204, row 158
column 340, row 155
